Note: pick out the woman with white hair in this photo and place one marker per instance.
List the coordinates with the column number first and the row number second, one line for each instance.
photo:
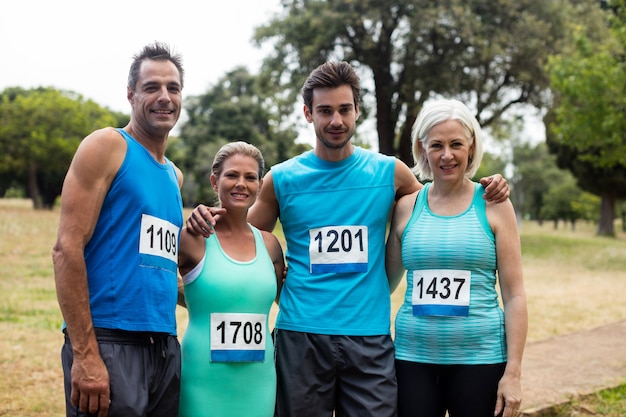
column 457, row 349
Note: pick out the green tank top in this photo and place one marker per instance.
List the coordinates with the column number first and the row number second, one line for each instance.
column 227, row 352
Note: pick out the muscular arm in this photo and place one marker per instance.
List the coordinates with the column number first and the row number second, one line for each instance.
column 86, row 184
column 405, row 181
column 278, row 259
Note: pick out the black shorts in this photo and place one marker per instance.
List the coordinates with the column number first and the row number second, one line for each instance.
column 144, row 373
column 350, row 375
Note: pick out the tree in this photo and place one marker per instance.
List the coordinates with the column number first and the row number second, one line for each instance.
column 489, row 54
column 535, row 172
column 566, row 202
column 234, row 109
column 40, row 130
column 586, row 128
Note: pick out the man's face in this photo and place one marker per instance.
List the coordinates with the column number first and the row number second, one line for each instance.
column 333, row 115
column 157, row 99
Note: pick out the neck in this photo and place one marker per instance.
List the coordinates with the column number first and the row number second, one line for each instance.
column 334, row 154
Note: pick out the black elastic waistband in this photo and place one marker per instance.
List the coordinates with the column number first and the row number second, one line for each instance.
column 126, row 337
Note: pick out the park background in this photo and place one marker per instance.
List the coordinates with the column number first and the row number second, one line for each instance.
column 574, row 280
column 544, row 77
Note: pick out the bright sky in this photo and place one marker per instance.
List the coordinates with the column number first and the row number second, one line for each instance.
column 87, row 47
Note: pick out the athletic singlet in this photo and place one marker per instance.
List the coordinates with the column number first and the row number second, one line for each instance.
column 442, row 323
column 227, row 352
column 334, row 217
column 133, row 254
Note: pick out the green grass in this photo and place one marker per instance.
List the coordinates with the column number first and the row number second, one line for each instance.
column 574, row 281
column 607, row 403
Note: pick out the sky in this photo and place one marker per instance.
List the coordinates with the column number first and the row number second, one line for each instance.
column 87, row 47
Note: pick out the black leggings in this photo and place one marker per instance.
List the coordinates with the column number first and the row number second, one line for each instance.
column 429, row 390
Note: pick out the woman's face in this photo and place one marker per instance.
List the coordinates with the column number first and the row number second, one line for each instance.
column 239, row 182
column 448, row 150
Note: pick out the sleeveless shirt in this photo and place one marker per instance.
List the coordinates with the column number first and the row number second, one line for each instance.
column 226, row 300
column 133, row 254
column 334, row 217
column 463, row 242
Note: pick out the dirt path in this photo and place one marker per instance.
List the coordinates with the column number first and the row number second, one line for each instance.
column 556, row 369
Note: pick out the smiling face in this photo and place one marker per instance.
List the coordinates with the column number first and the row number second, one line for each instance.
column 156, row 101
column 447, row 150
column 238, row 182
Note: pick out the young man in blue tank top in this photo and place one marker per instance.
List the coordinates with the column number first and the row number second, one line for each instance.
column 117, row 284
column 333, row 346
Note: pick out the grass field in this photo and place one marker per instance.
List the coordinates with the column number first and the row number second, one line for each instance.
column 574, row 281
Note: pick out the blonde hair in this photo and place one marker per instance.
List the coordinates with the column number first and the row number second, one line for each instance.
column 237, row 148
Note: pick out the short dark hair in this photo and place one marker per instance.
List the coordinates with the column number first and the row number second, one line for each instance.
column 331, row 75
column 157, row 51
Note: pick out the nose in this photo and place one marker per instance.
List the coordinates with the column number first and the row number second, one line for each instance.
column 240, row 181
column 164, row 95
column 336, row 119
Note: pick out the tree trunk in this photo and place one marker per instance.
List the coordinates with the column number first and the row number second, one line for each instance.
column 33, row 188
column 405, row 147
column 607, row 215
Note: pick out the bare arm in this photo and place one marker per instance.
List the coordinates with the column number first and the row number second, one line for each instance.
column 278, row 259
column 86, row 184
column 191, row 252
column 393, row 255
column 509, row 254
column 264, row 212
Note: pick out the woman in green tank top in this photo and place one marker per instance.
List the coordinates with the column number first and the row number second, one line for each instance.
column 230, row 281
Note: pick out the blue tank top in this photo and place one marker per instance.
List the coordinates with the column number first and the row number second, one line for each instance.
column 460, row 243
column 334, row 216
column 133, row 254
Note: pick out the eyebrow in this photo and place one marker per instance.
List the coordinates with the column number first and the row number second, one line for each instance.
column 341, row 106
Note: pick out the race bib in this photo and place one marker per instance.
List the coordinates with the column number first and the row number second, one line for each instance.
column 338, row 249
column 158, row 238
column 441, row 292
column 238, row 337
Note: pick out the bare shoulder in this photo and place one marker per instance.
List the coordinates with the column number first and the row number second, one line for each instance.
column 270, row 240
column 406, row 202
column 105, row 142
column 501, row 215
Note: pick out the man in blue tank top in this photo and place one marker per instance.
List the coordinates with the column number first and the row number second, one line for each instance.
column 332, row 342
column 115, row 258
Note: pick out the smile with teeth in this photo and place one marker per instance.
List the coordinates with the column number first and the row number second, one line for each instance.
column 448, row 166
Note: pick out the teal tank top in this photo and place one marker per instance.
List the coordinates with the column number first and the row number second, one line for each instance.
column 334, row 217
column 443, row 320
column 227, row 352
